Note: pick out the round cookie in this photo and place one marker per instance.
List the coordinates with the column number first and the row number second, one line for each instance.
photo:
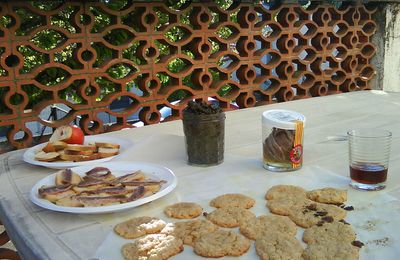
column 329, row 232
column 183, row 210
column 154, row 247
column 328, row 195
column 278, row 246
column 334, row 250
column 189, row 231
column 284, row 206
column 233, row 200
column 230, row 216
column 285, row 191
column 139, row 226
column 221, row 243
column 312, row 213
column 266, row 224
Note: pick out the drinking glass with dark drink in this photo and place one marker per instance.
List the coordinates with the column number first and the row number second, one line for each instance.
column 369, row 151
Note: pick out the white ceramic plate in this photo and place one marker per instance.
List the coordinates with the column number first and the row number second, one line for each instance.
column 153, row 171
column 29, row 155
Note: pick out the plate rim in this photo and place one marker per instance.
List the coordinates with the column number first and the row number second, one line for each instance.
column 62, row 165
column 34, row 198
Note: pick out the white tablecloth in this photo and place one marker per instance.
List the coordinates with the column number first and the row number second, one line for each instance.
column 42, row 234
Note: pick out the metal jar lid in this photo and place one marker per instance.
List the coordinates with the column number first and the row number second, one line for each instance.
column 283, row 119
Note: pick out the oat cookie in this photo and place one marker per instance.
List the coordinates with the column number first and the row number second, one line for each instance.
column 138, row 227
column 278, row 246
column 230, row 216
column 266, row 224
column 221, row 243
column 284, row 206
column 312, row 213
column 332, row 251
column 189, row 231
column 328, row 195
column 154, row 247
column 328, row 233
column 285, row 191
column 183, row 210
column 232, row 200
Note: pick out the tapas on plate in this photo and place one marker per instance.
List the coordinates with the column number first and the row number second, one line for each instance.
column 105, row 188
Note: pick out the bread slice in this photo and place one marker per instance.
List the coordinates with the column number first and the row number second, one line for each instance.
column 54, row 146
column 80, row 147
column 48, row 148
column 54, row 193
column 69, row 201
column 77, row 157
column 107, row 145
column 71, row 152
column 46, row 157
column 66, row 176
column 59, row 145
column 107, row 152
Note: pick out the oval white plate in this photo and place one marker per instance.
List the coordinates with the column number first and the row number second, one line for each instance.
column 29, row 155
column 153, row 171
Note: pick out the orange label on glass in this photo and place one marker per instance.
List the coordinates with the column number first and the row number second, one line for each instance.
column 296, row 155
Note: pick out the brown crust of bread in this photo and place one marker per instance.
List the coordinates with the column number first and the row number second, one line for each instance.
column 78, row 158
column 107, row 145
column 71, row 152
column 107, row 152
column 79, row 147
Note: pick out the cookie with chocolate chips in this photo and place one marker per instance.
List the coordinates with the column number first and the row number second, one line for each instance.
column 335, row 250
column 310, row 213
column 329, row 232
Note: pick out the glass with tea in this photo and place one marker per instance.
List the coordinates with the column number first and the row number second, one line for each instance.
column 369, row 152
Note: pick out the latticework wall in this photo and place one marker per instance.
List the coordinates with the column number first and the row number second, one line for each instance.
column 90, row 56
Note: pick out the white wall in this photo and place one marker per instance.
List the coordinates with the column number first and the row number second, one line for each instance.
column 391, row 68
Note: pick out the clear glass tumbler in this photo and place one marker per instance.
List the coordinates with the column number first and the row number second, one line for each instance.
column 369, row 152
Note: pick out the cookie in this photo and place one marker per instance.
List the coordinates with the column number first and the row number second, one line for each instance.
column 154, row 247
column 267, row 224
column 230, row 216
column 328, row 195
column 183, row 210
column 221, row 243
column 328, row 233
column 312, row 213
column 189, row 231
column 285, row 191
column 335, row 250
column 278, row 246
column 284, row 206
column 232, row 200
column 138, row 227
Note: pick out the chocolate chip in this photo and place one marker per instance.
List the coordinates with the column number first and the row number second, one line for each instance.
column 312, row 207
column 344, row 222
column 320, row 223
column 328, row 219
column 341, row 205
column 205, row 214
column 357, row 243
column 320, row 213
column 349, row 208
column 305, row 211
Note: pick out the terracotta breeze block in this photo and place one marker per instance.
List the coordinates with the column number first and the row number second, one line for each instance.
column 248, row 54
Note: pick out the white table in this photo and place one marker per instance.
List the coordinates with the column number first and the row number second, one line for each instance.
column 42, row 234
